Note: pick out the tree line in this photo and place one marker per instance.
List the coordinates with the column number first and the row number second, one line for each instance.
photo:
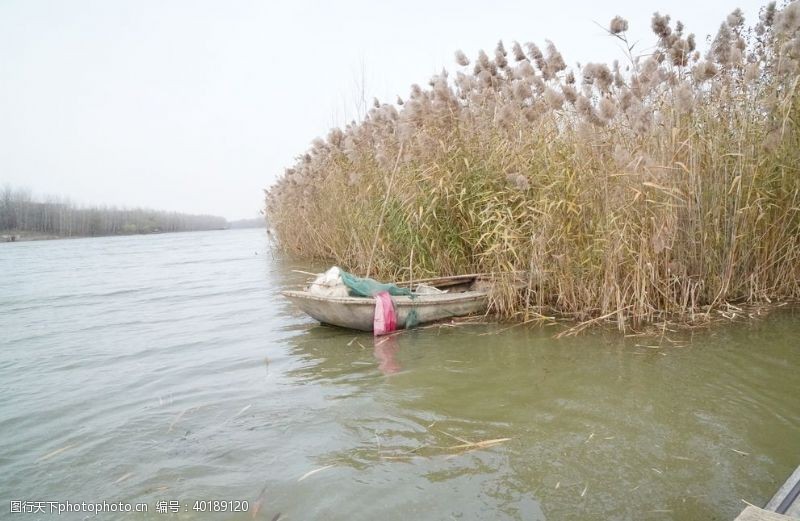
column 21, row 213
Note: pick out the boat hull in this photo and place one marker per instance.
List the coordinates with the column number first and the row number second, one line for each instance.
column 358, row 313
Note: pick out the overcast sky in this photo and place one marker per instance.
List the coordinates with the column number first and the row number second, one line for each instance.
column 197, row 105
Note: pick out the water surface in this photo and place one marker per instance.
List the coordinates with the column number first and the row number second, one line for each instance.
column 168, row 368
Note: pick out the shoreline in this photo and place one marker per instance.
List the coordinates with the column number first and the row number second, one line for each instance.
column 9, row 236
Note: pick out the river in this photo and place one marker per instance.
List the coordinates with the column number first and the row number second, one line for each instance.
column 167, row 370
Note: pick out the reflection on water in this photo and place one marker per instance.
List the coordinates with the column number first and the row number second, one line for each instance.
column 167, row 367
column 386, row 354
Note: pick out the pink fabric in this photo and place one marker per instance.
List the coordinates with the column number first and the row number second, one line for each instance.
column 385, row 318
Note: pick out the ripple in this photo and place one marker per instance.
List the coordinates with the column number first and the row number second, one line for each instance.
column 172, row 362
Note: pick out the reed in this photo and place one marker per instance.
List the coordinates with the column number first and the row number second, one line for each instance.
column 658, row 188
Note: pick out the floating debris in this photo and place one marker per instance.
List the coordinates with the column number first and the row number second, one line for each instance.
column 55, row 453
column 312, row 472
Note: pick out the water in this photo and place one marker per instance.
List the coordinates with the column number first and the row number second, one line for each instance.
column 167, row 368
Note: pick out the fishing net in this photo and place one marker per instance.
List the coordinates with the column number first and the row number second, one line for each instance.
column 412, row 319
column 365, row 287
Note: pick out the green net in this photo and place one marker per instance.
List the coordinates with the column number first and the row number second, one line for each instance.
column 412, row 320
column 364, row 287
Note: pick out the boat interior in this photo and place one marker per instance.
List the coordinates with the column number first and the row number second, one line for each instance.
column 455, row 284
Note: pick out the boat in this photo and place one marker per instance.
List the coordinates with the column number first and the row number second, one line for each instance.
column 455, row 297
column 784, row 505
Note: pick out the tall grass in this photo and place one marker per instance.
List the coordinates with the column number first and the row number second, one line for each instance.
column 659, row 187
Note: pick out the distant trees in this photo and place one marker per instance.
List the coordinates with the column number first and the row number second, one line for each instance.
column 255, row 222
column 21, row 212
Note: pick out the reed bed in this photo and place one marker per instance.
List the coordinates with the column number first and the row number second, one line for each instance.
column 656, row 188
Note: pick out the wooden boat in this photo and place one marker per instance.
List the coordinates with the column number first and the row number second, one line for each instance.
column 786, row 500
column 463, row 295
column 784, row 505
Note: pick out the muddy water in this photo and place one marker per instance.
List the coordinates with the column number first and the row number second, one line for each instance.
column 166, row 368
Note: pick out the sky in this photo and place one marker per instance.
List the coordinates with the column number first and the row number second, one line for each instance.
column 197, row 106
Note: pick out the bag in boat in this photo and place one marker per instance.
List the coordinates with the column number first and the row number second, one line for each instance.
column 329, row 284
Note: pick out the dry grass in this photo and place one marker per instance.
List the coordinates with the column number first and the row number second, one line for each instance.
column 658, row 189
